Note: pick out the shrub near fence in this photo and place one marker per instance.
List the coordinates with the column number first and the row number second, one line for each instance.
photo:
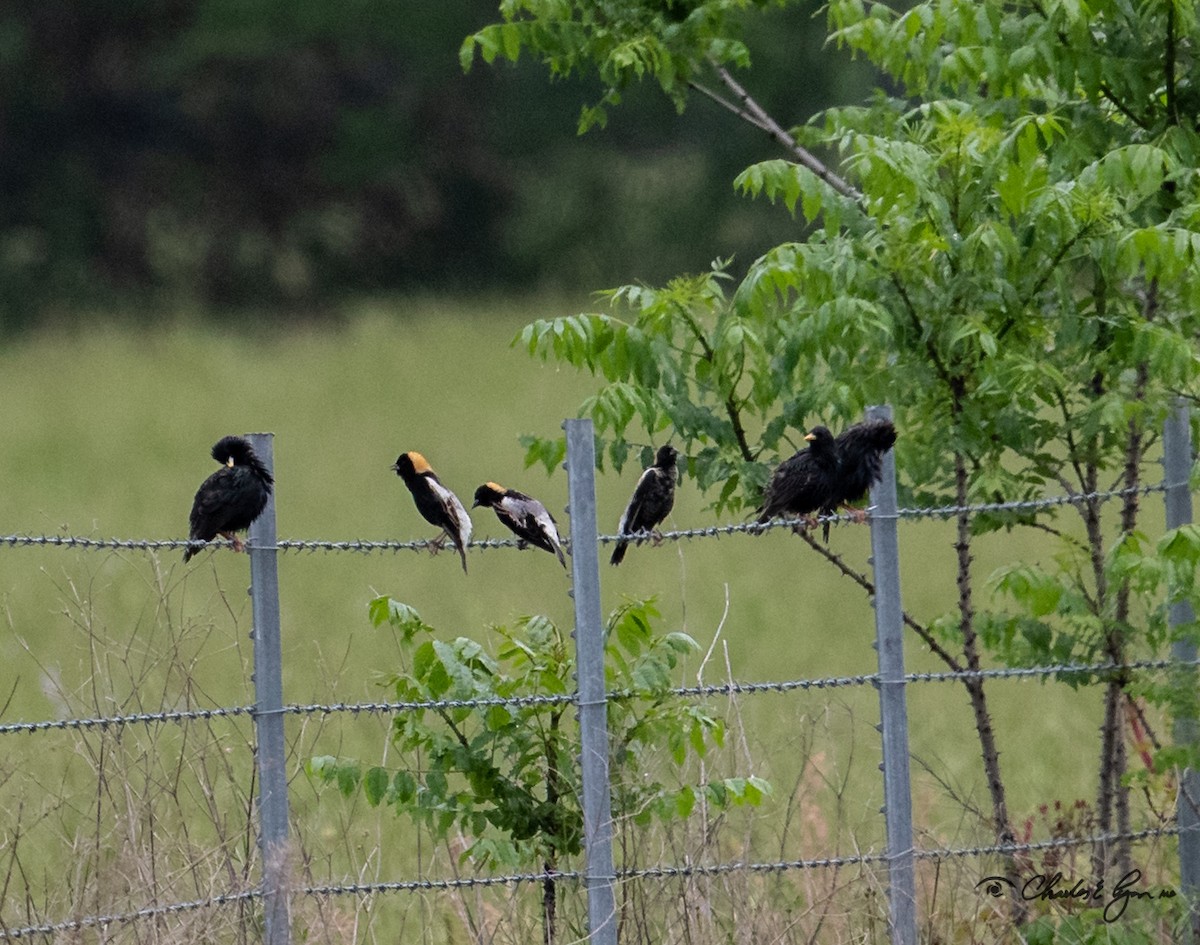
column 243, row 873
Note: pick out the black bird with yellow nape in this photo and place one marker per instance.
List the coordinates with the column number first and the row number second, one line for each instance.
column 230, row 499
column 524, row 516
column 437, row 504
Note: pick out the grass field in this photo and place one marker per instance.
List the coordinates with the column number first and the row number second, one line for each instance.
column 107, row 435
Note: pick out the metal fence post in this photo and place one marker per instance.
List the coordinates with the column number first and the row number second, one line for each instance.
column 1177, row 471
column 893, row 709
column 599, row 877
column 268, row 712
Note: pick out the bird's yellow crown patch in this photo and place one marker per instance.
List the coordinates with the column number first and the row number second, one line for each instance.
column 496, row 487
column 420, row 463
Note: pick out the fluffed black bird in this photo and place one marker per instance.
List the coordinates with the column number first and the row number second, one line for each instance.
column 860, row 450
column 805, row 481
column 652, row 500
column 437, row 504
column 524, row 515
column 232, row 497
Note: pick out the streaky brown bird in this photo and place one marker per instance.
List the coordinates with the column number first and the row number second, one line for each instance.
column 652, row 500
column 230, row 499
column 524, row 516
column 437, row 504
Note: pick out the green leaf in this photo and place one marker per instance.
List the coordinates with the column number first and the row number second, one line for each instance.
column 1037, row 590
column 398, row 615
column 375, row 785
column 348, row 774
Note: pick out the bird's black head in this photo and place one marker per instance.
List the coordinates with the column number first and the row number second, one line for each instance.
column 665, row 457
column 820, row 440
column 237, row 451
column 488, row 494
column 232, row 450
column 410, row 465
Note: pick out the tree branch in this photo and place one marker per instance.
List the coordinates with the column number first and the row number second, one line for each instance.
column 1105, row 89
column 867, row 585
column 750, row 111
column 1169, row 67
column 731, row 405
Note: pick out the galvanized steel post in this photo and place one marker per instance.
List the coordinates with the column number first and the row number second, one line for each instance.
column 889, row 642
column 268, row 712
column 599, row 877
column 1177, row 471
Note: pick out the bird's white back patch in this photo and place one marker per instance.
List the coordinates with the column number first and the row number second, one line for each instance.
column 453, row 508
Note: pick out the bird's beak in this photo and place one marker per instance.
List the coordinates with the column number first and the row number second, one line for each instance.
column 809, row 437
column 229, row 462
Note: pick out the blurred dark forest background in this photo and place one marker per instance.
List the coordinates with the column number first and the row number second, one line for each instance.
column 284, row 154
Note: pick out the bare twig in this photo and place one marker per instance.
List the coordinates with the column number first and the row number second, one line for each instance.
column 746, row 108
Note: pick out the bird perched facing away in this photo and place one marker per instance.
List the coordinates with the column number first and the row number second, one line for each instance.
column 860, row 450
column 232, row 497
column 804, row 482
column 437, row 504
column 525, row 516
column 652, row 500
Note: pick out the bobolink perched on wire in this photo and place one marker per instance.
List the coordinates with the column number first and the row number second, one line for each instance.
column 805, row 481
column 437, row 504
column 232, row 497
column 652, row 500
column 523, row 515
column 860, row 450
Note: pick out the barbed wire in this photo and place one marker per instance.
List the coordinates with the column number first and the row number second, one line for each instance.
column 122, row 918
column 435, row 885
column 117, row 721
column 365, row 546
column 1036, row 846
column 1033, row 505
column 646, row 872
column 731, row 688
column 1018, row 672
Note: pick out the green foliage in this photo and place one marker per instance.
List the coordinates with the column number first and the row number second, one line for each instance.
column 620, row 41
column 990, row 280
column 1011, row 262
column 503, row 772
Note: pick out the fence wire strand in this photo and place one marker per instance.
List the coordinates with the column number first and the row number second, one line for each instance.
column 625, row 874
column 363, row 546
column 102, row 723
column 123, row 918
column 717, row 689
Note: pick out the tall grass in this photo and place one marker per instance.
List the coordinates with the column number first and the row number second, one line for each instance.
column 107, row 434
